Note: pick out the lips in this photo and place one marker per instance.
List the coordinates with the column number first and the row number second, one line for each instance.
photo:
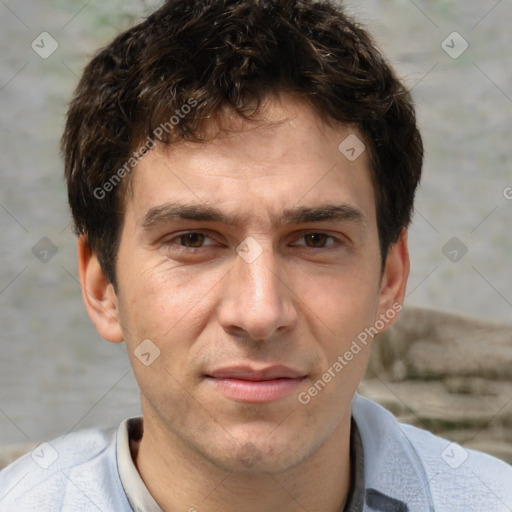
column 248, row 373
column 248, row 384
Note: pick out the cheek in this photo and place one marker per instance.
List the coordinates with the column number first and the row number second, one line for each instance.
column 344, row 302
column 160, row 299
column 169, row 308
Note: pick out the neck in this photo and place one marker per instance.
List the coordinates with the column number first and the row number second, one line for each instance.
column 178, row 478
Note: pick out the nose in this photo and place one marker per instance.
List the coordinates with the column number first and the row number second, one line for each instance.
column 257, row 302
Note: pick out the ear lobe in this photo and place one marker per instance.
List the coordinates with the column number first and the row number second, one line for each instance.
column 394, row 280
column 98, row 294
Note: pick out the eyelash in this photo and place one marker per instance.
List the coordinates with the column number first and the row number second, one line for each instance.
column 170, row 241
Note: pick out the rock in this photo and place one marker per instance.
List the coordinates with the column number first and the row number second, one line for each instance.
column 432, row 344
column 448, row 374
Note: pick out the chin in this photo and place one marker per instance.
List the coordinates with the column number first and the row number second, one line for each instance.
column 262, row 454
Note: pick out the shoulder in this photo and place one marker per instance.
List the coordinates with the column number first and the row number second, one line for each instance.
column 459, row 475
column 421, row 468
column 77, row 471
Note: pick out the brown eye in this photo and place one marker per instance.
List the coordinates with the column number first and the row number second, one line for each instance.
column 192, row 239
column 316, row 239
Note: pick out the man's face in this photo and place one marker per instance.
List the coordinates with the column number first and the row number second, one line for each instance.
column 242, row 333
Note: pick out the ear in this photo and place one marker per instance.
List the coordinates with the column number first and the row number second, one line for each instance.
column 98, row 294
column 394, row 281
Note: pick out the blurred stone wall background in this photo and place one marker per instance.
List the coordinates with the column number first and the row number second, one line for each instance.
column 56, row 374
column 448, row 374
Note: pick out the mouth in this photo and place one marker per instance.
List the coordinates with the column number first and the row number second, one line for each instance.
column 247, row 384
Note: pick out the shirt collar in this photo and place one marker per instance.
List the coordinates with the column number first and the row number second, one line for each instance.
column 355, row 499
column 136, row 491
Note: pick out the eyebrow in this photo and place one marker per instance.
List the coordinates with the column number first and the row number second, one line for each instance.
column 172, row 212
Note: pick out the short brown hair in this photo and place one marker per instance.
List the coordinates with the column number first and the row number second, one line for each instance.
column 214, row 55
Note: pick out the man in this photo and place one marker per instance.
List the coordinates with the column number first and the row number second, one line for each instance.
column 241, row 175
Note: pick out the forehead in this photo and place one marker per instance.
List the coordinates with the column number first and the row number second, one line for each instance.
column 288, row 158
